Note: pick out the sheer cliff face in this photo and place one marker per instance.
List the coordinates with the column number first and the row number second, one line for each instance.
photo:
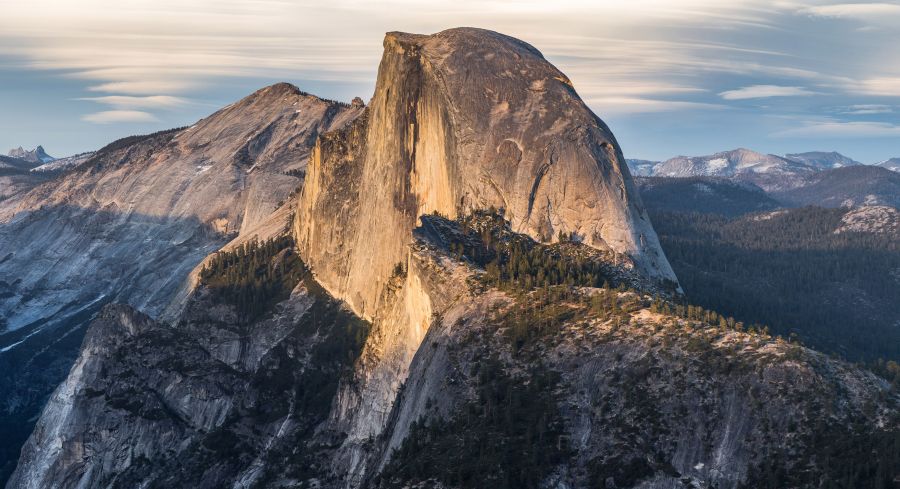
column 460, row 120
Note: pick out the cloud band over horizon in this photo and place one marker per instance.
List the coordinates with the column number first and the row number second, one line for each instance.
column 669, row 77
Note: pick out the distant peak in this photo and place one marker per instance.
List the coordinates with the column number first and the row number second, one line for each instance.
column 275, row 95
column 37, row 155
column 280, row 89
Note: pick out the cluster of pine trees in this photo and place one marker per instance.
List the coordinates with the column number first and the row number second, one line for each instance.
column 131, row 140
column 849, row 458
column 254, row 275
column 516, row 262
column 509, row 434
column 510, row 437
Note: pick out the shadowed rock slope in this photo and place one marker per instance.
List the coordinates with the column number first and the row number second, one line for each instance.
column 704, row 195
column 187, row 189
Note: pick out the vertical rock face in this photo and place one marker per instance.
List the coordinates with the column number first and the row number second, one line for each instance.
column 464, row 119
column 460, row 120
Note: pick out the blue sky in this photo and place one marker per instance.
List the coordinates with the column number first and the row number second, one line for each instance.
column 686, row 77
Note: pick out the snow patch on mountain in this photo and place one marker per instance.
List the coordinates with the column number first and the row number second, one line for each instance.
column 769, row 172
column 61, row 164
column 642, row 168
column 892, row 164
column 716, row 164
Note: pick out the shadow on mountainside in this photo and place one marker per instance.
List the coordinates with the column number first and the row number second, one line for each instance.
column 58, row 266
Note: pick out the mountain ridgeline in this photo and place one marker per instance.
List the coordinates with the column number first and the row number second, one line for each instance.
column 827, row 179
column 467, row 291
column 129, row 224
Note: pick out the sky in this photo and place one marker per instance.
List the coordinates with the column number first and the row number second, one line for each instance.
column 670, row 78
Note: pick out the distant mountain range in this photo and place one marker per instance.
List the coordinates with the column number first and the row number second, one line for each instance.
column 22, row 170
column 763, row 169
column 780, row 176
column 37, row 160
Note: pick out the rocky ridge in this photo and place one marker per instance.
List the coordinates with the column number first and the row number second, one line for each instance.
column 850, row 186
column 892, row 164
column 704, row 195
column 823, row 159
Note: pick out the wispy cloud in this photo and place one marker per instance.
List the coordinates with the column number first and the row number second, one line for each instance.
column 113, row 116
column 864, row 11
column 126, row 102
column 867, row 109
column 764, row 91
column 676, row 59
column 142, row 87
column 878, row 86
column 842, row 130
column 639, row 105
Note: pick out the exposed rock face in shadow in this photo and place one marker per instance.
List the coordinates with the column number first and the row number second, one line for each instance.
column 211, row 402
column 460, row 120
